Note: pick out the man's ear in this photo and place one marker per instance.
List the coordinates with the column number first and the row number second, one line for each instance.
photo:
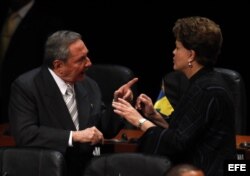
column 57, row 63
column 58, row 66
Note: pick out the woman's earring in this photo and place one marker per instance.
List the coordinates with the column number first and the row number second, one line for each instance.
column 190, row 65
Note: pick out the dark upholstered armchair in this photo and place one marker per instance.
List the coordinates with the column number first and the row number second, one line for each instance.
column 16, row 161
column 237, row 87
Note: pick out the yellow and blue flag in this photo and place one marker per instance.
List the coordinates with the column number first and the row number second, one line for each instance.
column 162, row 103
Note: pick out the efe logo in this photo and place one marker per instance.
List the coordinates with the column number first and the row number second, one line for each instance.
column 237, row 167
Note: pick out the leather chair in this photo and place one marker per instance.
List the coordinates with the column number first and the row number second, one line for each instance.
column 128, row 164
column 237, row 87
column 175, row 84
column 109, row 78
column 16, row 161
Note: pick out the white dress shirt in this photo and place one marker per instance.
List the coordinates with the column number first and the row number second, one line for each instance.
column 63, row 87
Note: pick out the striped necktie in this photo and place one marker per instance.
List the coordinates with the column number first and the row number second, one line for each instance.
column 71, row 104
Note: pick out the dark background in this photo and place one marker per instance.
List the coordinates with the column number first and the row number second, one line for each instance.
column 138, row 33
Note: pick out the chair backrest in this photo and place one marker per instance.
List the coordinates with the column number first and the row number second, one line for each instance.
column 16, row 161
column 110, row 77
column 128, row 164
column 175, row 84
column 237, row 87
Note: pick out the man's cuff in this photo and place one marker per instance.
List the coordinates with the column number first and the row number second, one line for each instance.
column 70, row 143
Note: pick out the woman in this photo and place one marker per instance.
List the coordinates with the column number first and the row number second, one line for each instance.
column 201, row 129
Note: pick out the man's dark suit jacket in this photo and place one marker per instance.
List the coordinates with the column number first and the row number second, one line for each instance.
column 39, row 116
column 26, row 48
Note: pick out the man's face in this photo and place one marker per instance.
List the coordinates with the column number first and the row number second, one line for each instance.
column 77, row 63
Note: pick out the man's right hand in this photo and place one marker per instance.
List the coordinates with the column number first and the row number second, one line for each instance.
column 125, row 92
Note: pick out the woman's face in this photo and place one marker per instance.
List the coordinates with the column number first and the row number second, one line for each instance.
column 182, row 57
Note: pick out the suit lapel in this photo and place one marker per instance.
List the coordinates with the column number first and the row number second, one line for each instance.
column 83, row 105
column 53, row 99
